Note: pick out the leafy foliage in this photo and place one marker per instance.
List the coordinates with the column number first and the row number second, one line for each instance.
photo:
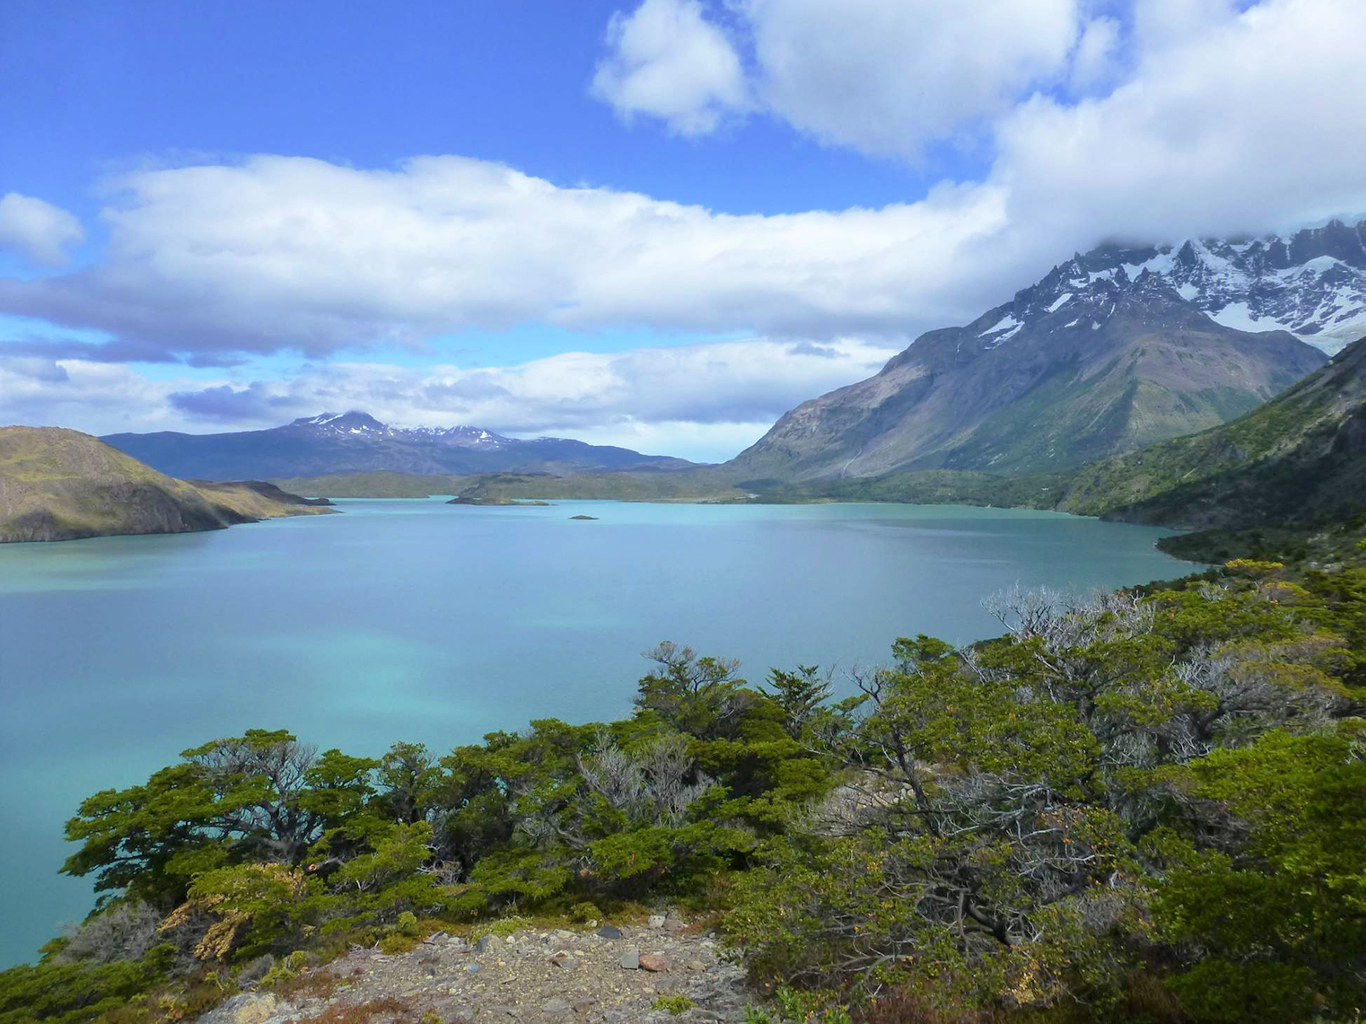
column 1141, row 806
column 1115, row 786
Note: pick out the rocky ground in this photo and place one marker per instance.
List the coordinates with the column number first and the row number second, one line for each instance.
column 607, row 975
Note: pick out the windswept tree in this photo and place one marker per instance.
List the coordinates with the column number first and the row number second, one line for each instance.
column 262, row 797
column 701, row 696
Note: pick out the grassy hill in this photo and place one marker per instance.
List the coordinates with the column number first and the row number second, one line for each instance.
column 1299, row 459
column 58, row 484
column 374, row 485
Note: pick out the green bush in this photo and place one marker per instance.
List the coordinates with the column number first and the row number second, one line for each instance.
column 1143, row 807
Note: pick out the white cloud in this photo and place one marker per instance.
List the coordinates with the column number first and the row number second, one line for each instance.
column 667, row 61
column 298, row 253
column 1095, row 61
column 884, row 76
column 704, row 401
column 1249, row 124
column 99, row 398
column 888, row 77
column 1253, row 122
column 37, row 229
column 1160, row 24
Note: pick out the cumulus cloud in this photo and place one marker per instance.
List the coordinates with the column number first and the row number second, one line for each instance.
column 1251, row 123
column 38, row 230
column 1233, row 110
column 95, row 397
column 888, row 77
column 884, row 77
column 1096, row 59
column 667, row 61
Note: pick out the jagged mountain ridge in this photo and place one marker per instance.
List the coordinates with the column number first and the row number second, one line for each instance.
column 1086, row 363
column 1311, row 283
column 356, row 442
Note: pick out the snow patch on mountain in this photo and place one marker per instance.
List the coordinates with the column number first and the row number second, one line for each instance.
column 1006, row 323
column 1239, row 316
column 1311, row 284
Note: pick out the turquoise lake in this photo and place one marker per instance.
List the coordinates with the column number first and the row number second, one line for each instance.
column 422, row 621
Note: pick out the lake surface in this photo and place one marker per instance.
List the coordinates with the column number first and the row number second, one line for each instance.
column 417, row 620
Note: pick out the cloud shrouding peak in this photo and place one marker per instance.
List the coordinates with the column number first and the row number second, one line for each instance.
column 38, row 230
column 1250, row 124
column 667, row 61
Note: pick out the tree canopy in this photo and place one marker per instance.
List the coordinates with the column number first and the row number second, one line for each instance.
column 1140, row 806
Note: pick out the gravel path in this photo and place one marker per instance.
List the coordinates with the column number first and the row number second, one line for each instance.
column 604, row 976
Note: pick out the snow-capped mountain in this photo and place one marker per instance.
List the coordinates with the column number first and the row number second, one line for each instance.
column 364, row 425
column 1311, row 283
column 1109, row 352
column 356, row 442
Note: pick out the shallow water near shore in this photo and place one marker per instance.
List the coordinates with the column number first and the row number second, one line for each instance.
column 417, row 620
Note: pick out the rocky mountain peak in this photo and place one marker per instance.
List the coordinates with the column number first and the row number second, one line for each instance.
column 361, row 425
column 1311, row 283
column 1081, row 294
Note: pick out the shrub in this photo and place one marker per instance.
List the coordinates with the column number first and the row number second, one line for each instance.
column 126, row 931
column 582, row 913
column 674, row 1004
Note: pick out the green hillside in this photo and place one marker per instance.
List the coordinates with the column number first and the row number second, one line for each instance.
column 374, row 485
column 1298, row 459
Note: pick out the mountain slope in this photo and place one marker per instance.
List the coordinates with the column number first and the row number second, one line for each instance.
column 1299, row 459
column 355, row 442
column 58, row 484
column 1086, row 363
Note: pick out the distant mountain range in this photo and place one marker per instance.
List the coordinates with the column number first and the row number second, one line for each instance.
column 58, row 484
column 1113, row 350
column 355, row 442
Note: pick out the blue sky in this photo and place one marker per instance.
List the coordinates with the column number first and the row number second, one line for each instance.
column 101, row 86
column 655, row 223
